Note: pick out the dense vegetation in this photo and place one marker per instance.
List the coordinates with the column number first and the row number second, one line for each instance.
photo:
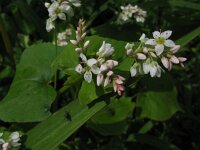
column 53, row 107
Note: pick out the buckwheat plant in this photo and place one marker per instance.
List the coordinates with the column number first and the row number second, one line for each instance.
column 58, row 9
column 101, row 65
column 151, row 53
column 10, row 142
column 129, row 11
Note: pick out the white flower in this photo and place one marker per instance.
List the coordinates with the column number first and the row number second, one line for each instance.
column 140, row 15
column 135, row 69
column 90, row 67
column 153, row 68
column 12, row 142
column 160, row 40
column 62, row 37
column 143, row 38
column 105, row 50
column 59, row 9
column 50, row 24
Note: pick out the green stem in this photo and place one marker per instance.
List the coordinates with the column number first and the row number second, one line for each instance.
column 56, row 44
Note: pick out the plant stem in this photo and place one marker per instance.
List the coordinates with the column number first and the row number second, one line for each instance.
column 56, row 44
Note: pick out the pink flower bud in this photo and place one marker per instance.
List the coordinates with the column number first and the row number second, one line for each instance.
column 145, row 50
column 129, row 52
column 99, row 79
column 175, row 48
column 74, row 42
column 110, row 73
column 141, row 56
column 174, row 59
column 165, row 62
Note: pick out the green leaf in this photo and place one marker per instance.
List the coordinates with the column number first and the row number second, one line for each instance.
column 67, row 60
column 30, row 95
column 185, row 4
column 109, row 129
column 88, row 92
column 52, row 132
column 159, row 100
column 118, row 110
column 189, row 37
column 112, row 120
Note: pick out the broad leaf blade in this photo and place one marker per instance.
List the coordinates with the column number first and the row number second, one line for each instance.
column 30, row 96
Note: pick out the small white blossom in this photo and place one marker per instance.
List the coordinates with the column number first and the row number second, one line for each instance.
column 128, row 11
column 90, row 66
column 12, row 142
column 59, row 9
column 63, row 37
column 105, row 50
column 160, row 40
column 140, row 15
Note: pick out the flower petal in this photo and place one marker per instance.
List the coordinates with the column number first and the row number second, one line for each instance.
column 88, row 76
column 95, row 69
column 166, row 34
column 91, row 62
column 159, row 49
column 156, row 34
column 150, row 42
column 62, row 16
column 79, row 68
column 169, row 43
column 83, row 57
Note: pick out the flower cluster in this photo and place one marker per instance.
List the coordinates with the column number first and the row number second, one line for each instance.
column 152, row 52
column 130, row 11
column 101, row 65
column 10, row 143
column 63, row 37
column 58, row 9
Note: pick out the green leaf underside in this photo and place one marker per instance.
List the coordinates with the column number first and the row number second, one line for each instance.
column 158, row 103
column 53, row 131
column 30, row 94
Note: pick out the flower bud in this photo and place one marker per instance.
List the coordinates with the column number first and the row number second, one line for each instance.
column 99, row 79
column 74, row 42
column 174, row 59
column 107, row 81
column 141, row 56
column 145, row 50
column 175, row 48
column 79, row 50
column 129, row 52
column 86, row 44
column 165, row 62
column 110, row 73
